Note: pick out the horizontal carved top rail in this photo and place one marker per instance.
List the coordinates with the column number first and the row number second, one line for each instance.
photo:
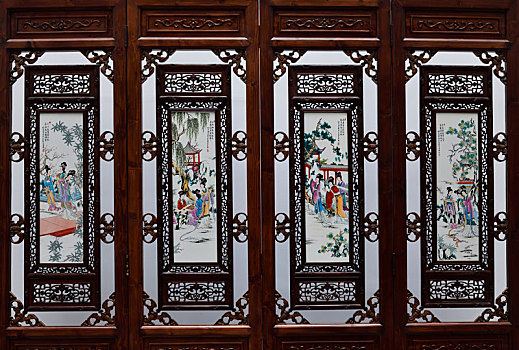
column 57, row 23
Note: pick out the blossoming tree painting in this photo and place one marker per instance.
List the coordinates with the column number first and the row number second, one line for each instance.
column 195, row 186
column 326, row 187
column 457, row 193
column 61, row 187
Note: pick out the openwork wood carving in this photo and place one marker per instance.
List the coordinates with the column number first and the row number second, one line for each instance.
column 282, row 59
column 240, row 227
column 150, row 59
column 282, row 227
column 370, row 143
column 107, row 228
column 497, row 61
column 286, row 314
column 103, row 60
column 414, row 59
column 20, row 316
column 149, row 228
column 500, row 147
column 19, row 61
column 367, row 60
column 106, row 146
column 16, row 229
column 417, row 312
column 105, row 316
column 238, row 314
column 499, row 312
column 235, row 58
column 153, row 316
column 371, row 226
column 501, row 226
column 413, row 142
column 16, row 147
column 281, row 146
column 149, row 146
column 369, row 313
column 414, row 226
column 239, row 145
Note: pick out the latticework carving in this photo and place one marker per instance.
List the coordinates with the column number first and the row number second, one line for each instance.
column 153, row 316
column 70, row 293
column 414, row 59
column 203, row 82
column 413, row 142
column 106, row 146
column 282, row 59
column 370, row 144
column 238, row 314
column 61, row 84
column 458, row 346
column 149, row 146
column 416, row 312
column 239, row 145
column 324, row 83
column 282, row 227
column 370, row 313
column 497, row 61
column 236, row 59
column 286, row 314
column 16, row 147
column 149, row 228
column 462, row 84
column 413, row 224
column 501, row 226
column 500, row 147
column 16, row 228
column 499, row 311
column 105, row 316
column 103, row 60
column 19, row 61
column 240, row 227
column 371, row 225
column 367, row 60
column 309, row 292
column 19, row 316
column 107, row 228
column 456, row 290
column 199, row 292
column 281, row 146
column 151, row 58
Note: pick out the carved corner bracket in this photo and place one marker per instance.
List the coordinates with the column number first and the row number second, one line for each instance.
column 368, row 61
column 149, row 146
column 153, row 313
column 105, row 315
column 413, row 224
column 500, row 147
column 368, row 313
column 20, row 316
column 413, row 143
column 370, row 143
column 151, row 58
column 286, row 314
column 236, row 60
column 106, row 146
column 501, row 226
column 283, row 60
column 414, row 59
column 16, row 229
column 236, row 314
column 281, row 146
column 497, row 61
column 499, row 310
column 19, row 61
column 103, row 60
column 240, row 227
column 239, row 145
column 282, row 227
column 418, row 312
column 149, row 228
column 16, row 147
column 371, row 225
column 107, row 228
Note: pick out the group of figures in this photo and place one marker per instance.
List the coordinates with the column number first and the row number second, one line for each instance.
column 195, row 206
column 329, row 198
column 61, row 188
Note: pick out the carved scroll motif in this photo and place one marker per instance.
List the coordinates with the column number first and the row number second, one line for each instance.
column 239, row 145
column 236, row 314
column 368, row 313
column 282, row 59
column 414, row 226
column 236, row 60
column 371, row 227
column 19, row 61
column 325, row 23
column 149, row 228
column 281, row 146
column 16, row 147
column 500, row 147
column 106, row 315
column 107, row 228
column 106, row 146
column 497, row 60
column 103, row 60
column 282, row 227
column 413, row 143
column 414, row 60
column 61, row 24
column 150, row 59
column 499, row 310
column 501, row 226
column 20, row 316
column 286, row 314
column 240, row 228
column 149, row 146
column 193, row 23
column 370, row 143
column 417, row 311
column 153, row 314
column 367, row 60
column 16, row 228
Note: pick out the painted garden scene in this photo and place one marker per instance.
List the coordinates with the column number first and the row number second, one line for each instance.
column 194, row 167
column 326, row 187
column 457, row 192
column 61, row 187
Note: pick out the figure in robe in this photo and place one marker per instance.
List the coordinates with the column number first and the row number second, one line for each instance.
column 48, row 187
column 316, row 187
column 339, row 191
column 449, row 206
column 194, row 214
column 343, row 190
column 207, row 198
